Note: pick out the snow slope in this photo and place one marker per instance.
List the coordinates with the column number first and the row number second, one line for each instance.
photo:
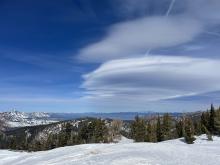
column 173, row 152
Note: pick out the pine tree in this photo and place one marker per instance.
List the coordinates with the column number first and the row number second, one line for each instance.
column 167, row 126
column 198, row 127
column 151, row 133
column 68, row 130
column 138, row 129
column 12, row 142
column 212, row 119
column 149, row 137
column 93, row 132
column 179, row 128
column 188, row 131
column 3, row 140
column 205, row 119
column 100, row 131
column 217, row 122
column 159, row 130
column 62, row 139
column 83, row 133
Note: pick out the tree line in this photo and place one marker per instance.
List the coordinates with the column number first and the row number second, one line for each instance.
column 88, row 131
column 166, row 127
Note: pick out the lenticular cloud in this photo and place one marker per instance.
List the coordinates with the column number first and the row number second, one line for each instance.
column 127, row 39
column 153, row 77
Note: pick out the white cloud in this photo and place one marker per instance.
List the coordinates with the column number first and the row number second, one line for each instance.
column 152, row 78
column 128, row 78
column 134, row 37
column 130, row 38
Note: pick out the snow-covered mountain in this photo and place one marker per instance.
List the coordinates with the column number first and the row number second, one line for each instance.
column 20, row 119
column 172, row 152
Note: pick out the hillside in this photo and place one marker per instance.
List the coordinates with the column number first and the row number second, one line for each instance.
column 171, row 152
column 21, row 119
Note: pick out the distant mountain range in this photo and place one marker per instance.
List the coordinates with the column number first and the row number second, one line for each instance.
column 21, row 119
column 115, row 115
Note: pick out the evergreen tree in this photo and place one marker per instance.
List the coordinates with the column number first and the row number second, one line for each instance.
column 205, row 119
column 151, row 133
column 159, row 130
column 68, row 130
column 212, row 119
column 167, row 126
column 93, row 132
column 217, row 122
column 83, row 133
column 62, row 139
column 149, row 137
column 179, row 128
column 198, row 127
column 12, row 142
column 138, row 129
column 188, row 131
column 3, row 140
column 100, row 131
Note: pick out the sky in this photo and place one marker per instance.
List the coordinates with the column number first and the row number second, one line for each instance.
column 109, row 55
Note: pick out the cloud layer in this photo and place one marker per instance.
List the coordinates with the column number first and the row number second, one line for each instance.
column 129, row 77
column 153, row 78
column 136, row 37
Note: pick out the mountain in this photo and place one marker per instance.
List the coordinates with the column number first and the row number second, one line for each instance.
column 172, row 152
column 68, row 132
column 21, row 119
column 43, row 131
column 112, row 115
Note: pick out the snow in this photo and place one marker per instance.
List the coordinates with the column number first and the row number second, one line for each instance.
column 125, row 140
column 20, row 119
column 29, row 122
column 172, row 152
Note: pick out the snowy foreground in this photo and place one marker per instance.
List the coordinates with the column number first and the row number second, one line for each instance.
column 173, row 152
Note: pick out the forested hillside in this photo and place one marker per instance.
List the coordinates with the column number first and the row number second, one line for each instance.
column 156, row 128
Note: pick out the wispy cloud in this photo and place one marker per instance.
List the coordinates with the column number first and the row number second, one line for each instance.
column 135, row 37
column 42, row 60
column 130, row 38
column 151, row 78
column 37, row 100
column 130, row 77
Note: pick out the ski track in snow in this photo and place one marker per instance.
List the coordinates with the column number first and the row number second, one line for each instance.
column 172, row 152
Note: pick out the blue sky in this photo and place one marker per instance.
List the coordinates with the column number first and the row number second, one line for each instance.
column 110, row 55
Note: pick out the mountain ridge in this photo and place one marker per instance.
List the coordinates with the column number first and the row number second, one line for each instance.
column 16, row 118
